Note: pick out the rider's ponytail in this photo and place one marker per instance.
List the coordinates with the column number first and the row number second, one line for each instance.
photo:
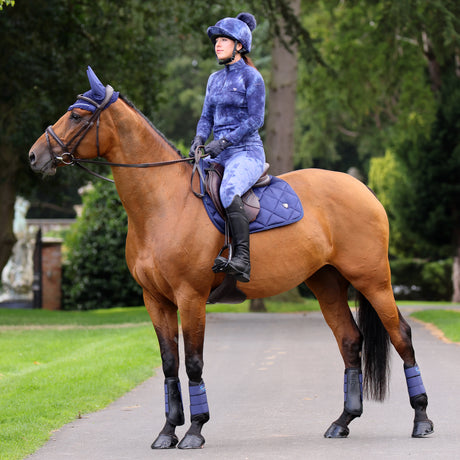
column 248, row 61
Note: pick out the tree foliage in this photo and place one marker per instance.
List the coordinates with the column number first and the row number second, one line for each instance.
column 347, row 116
column 426, row 149
column 6, row 3
column 427, row 202
column 48, row 45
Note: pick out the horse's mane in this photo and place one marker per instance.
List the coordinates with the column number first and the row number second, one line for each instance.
column 130, row 104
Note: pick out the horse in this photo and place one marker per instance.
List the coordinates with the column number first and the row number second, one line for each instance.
column 341, row 240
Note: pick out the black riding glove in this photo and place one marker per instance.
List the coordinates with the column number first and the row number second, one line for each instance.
column 197, row 141
column 216, row 146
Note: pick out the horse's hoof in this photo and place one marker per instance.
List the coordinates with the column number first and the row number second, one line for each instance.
column 165, row 441
column 337, row 431
column 191, row 441
column 422, row 429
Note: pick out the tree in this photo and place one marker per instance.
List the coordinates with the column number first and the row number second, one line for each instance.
column 24, row 57
column 428, row 206
column 352, row 113
column 279, row 140
column 7, row 3
column 46, row 48
column 432, row 159
column 426, row 144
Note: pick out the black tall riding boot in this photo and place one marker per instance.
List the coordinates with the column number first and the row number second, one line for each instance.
column 239, row 265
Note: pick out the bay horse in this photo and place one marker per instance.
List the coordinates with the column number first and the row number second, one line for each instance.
column 341, row 240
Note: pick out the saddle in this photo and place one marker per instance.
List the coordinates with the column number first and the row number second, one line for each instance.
column 213, row 180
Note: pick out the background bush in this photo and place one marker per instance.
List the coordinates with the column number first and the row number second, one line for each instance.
column 412, row 279
column 415, row 279
column 95, row 274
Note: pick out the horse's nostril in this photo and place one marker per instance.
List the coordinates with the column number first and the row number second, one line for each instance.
column 32, row 158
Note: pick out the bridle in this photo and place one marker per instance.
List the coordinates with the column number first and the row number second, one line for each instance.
column 67, row 157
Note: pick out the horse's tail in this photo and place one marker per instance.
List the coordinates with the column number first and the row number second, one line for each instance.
column 375, row 352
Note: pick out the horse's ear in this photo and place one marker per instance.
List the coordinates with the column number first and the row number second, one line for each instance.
column 97, row 87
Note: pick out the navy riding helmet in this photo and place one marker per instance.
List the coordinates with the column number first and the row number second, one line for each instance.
column 238, row 29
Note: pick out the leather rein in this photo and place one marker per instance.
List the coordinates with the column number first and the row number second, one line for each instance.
column 68, row 158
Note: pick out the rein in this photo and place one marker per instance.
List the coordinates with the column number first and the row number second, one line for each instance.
column 77, row 161
column 196, row 160
column 68, row 158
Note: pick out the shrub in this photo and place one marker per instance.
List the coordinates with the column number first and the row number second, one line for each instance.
column 415, row 279
column 95, row 274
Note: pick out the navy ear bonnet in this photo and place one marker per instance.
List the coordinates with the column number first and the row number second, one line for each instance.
column 96, row 93
column 239, row 29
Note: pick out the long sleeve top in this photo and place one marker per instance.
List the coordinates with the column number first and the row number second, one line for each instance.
column 234, row 105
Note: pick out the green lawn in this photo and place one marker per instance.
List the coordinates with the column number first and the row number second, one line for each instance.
column 82, row 318
column 50, row 376
column 271, row 306
column 448, row 321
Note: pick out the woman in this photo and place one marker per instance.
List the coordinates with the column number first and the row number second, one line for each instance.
column 233, row 110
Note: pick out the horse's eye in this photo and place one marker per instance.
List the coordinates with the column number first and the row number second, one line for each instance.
column 75, row 116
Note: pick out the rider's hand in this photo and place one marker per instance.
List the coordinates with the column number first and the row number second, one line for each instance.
column 197, row 141
column 216, row 146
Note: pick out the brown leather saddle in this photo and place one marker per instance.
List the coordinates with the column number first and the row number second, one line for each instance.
column 214, row 175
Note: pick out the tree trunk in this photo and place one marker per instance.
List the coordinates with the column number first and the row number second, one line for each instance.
column 279, row 141
column 8, row 169
column 456, row 269
column 257, row 305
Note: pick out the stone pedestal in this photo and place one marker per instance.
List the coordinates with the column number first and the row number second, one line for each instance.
column 51, row 273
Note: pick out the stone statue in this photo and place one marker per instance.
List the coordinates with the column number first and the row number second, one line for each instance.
column 17, row 276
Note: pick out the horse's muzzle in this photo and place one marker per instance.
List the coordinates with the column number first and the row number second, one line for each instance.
column 42, row 163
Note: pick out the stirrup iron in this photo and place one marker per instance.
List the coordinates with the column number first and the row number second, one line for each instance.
column 221, row 262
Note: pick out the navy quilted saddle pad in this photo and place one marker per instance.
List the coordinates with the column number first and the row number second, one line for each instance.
column 279, row 206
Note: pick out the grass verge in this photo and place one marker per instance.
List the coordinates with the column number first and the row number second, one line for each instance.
column 272, row 306
column 448, row 321
column 76, row 318
column 50, row 376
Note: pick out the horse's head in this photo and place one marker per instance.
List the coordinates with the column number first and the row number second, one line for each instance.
column 58, row 145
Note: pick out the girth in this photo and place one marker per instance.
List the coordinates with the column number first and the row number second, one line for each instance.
column 213, row 180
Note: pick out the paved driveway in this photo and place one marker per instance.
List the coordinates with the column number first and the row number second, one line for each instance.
column 275, row 383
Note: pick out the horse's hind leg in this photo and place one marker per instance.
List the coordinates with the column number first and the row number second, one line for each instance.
column 423, row 426
column 382, row 302
column 331, row 288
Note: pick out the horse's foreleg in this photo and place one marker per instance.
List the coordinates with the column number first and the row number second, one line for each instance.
column 164, row 319
column 330, row 288
column 193, row 326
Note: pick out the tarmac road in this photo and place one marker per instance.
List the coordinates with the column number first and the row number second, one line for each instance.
column 274, row 384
